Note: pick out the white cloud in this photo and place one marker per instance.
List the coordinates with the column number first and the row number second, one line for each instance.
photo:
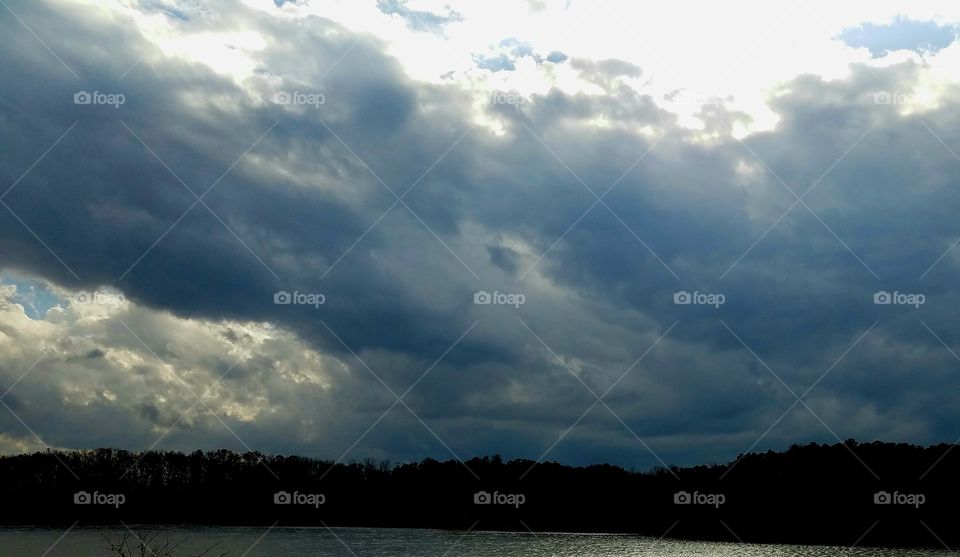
column 92, row 357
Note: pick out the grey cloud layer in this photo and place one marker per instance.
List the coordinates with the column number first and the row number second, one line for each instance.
column 400, row 297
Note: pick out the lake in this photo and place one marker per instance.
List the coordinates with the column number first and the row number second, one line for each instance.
column 350, row 542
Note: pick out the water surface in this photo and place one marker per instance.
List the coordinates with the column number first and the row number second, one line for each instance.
column 360, row 542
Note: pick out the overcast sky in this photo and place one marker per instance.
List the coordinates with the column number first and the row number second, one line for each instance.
column 570, row 230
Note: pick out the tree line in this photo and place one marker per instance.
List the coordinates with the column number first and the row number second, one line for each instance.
column 841, row 494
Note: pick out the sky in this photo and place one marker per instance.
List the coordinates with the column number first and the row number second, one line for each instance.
column 556, row 230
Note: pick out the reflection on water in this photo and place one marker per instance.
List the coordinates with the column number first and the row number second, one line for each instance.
column 361, row 542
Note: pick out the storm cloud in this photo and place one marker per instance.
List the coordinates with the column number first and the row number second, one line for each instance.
column 165, row 231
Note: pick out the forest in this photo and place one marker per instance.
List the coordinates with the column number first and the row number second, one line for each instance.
column 843, row 494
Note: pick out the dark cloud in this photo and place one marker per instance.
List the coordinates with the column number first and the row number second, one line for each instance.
column 305, row 211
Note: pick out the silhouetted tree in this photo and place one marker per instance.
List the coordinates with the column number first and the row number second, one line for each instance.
column 148, row 542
